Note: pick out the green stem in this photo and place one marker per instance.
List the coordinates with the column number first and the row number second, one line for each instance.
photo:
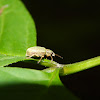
column 45, row 62
column 66, row 69
column 79, row 66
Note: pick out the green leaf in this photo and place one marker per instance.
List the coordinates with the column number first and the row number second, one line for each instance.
column 6, row 60
column 32, row 84
column 17, row 28
column 17, row 31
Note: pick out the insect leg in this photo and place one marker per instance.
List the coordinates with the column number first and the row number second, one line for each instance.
column 46, row 57
column 40, row 59
column 28, row 57
column 51, row 58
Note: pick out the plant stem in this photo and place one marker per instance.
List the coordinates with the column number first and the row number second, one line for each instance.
column 79, row 66
column 46, row 62
column 66, row 69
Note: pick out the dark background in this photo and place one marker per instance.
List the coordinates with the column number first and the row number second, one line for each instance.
column 71, row 28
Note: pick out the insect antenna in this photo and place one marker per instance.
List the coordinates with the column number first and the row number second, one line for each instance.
column 59, row 56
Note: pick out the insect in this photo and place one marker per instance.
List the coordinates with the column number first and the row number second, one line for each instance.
column 38, row 51
column 1, row 10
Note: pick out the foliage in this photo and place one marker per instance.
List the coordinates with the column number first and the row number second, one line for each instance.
column 17, row 33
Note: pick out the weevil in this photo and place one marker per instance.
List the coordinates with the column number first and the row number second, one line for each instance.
column 38, row 51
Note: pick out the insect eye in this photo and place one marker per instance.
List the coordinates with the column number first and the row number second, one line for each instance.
column 53, row 54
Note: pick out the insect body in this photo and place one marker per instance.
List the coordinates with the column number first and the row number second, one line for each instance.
column 39, row 51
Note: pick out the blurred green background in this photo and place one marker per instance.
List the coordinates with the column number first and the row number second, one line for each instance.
column 71, row 29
